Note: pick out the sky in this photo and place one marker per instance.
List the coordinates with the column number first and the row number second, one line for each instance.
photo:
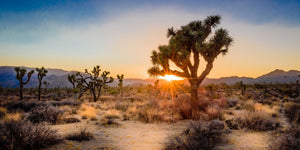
column 120, row 35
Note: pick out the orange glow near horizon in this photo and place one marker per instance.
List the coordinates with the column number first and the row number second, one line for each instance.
column 170, row 77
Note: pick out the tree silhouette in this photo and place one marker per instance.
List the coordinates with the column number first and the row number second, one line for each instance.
column 185, row 48
column 20, row 74
column 93, row 82
column 120, row 84
column 46, row 84
column 72, row 80
column 41, row 74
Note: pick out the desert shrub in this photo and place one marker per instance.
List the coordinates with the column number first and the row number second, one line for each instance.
column 232, row 101
column 214, row 112
column 287, row 141
column 109, row 119
column 232, row 124
column 65, row 102
column 292, row 111
column 121, row 106
column 183, row 105
column 48, row 114
column 25, row 105
column 148, row 114
column 82, row 135
column 110, row 116
column 25, row 135
column 70, row 120
column 256, row 120
column 84, row 117
column 248, row 105
column 200, row 135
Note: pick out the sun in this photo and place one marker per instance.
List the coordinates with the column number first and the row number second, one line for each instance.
column 170, row 77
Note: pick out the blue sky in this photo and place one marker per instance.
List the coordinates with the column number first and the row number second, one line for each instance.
column 119, row 35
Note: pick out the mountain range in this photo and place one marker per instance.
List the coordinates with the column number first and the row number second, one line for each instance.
column 58, row 78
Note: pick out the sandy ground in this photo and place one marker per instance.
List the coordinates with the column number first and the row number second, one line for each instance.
column 129, row 135
column 247, row 140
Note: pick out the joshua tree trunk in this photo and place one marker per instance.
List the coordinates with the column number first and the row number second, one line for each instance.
column 40, row 85
column 94, row 95
column 195, row 83
column 21, row 92
column 194, row 98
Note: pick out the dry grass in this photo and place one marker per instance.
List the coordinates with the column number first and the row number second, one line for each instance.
column 267, row 108
column 256, row 120
column 87, row 111
column 214, row 112
column 2, row 112
column 292, row 111
column 13, row 116
column 149, row 114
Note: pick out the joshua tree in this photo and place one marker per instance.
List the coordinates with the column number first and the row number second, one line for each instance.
column 41, row 74
column 186, row 46
column 72, row 80
column 120, row 84
column 20, row 74
column 46, row 85
column 93, row 81
column 243, row 88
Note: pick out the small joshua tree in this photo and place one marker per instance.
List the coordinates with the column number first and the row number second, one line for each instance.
column 20, row 74
column 93, row 81
column 156, row 87
column 72, row 80
column 243, row 88
column 120, row 84
column 41, row 74
column 46, row 84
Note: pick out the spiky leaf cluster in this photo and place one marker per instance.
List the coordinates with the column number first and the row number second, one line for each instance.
column 21, row 72
column 120, row 78
column 42, row 72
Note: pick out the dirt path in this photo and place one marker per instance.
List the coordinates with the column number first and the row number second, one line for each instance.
column 129, row 135
column 137, row 135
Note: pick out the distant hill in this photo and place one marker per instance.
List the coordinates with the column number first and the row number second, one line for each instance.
column 58, row 78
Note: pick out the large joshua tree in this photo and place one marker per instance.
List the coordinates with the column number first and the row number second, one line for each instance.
column 21, row 72
column 186, row 46
column 42, row 72
column 93, row 81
